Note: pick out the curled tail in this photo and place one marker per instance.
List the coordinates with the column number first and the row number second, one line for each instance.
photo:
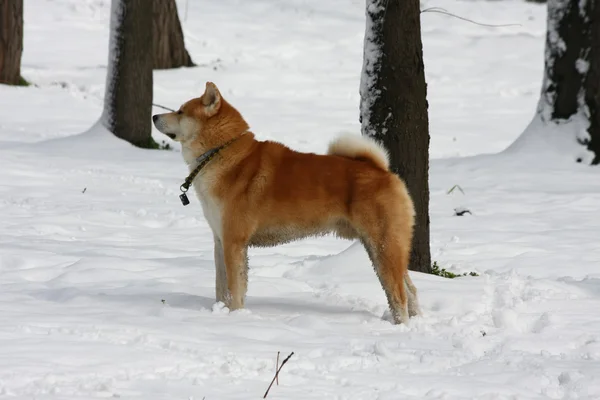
column 360, row 148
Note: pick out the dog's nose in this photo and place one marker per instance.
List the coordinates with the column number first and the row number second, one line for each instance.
column 154, row 118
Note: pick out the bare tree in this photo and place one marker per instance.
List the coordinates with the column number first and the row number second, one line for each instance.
column 167, row 37
column 393, row 107
column 11, row 41
column 128, row 93
column 568, row 112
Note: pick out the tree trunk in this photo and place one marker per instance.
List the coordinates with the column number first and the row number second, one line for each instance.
column 128, row 93
column 592, row 81
column 168, row 43
column 11, row 41
column 393, row 106
column 570, row 97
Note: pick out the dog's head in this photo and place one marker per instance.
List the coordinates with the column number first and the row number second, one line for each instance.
column 203, row 121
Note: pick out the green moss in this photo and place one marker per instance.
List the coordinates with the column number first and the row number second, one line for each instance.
column 152, row 144
column 436, row 270
column 23, row 82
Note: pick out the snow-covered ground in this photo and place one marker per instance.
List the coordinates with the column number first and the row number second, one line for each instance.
column 107, row 282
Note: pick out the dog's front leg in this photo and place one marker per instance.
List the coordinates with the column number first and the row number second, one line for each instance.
column 220, row 271
column 236, row 266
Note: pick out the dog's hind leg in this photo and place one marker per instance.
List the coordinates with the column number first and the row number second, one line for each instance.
column 387, row 238
column 220, row 271
column 391, row 262
column 413, row 301
column 385, row 264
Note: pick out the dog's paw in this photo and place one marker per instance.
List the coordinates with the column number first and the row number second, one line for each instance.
column 394, row 320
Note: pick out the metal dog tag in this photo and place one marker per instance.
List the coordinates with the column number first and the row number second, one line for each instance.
column 184, row 199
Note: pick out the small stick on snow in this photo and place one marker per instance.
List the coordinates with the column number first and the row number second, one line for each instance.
column 277, row 374
column 276, row 368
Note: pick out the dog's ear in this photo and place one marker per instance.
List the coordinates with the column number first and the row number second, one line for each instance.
column 211, row 99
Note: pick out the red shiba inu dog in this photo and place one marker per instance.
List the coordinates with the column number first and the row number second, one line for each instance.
column 261, row 193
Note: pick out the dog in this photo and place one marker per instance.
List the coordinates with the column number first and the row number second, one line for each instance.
column 262, row 193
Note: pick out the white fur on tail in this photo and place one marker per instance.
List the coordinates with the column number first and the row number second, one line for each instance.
column 358, row 146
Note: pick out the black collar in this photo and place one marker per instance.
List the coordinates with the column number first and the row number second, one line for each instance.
column 202, row 161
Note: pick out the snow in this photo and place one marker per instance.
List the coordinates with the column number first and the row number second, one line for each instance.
column 547, row 138
column 558, row 9
column 582, row 66
column 93, row 237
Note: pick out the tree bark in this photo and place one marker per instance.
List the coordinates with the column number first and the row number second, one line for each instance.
column 393, row 106
column 168, row 42
column 571, row 86
column 128, row 93
column 592, row 81
column 11, row 41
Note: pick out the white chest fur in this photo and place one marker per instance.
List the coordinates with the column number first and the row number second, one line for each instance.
column 203, row 185
column 210, row 205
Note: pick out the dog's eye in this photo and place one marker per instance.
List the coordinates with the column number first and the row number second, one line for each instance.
column 179, row 112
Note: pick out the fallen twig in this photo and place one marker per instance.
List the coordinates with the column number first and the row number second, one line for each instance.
column 443, row 11
column 277, row 374
column 455, row 187
column 459, row 212
column 163, row 107
column 276, row 368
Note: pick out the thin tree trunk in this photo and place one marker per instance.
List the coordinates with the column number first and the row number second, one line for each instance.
column 570, row 96
column 592, row 81
column 394, row 105
column 168, row 42
column 11, row 41
column 128, row 94
column 567, row 39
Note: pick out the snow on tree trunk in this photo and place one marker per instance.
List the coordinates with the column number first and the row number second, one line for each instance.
column 393, row 107
column 567, row 119
column 11, row 41
column 168, row 44
column 128, row 94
